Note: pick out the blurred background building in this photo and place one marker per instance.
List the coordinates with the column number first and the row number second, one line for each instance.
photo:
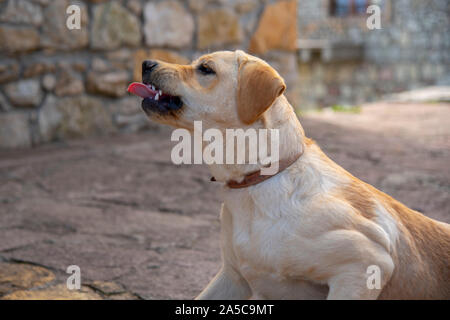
column 342, row 61
column 57, row 83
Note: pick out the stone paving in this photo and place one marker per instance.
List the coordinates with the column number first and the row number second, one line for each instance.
column 140, row 227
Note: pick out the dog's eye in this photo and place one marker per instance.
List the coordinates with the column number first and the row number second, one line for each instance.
column 205, row 69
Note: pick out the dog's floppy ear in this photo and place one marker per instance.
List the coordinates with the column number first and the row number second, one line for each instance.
column 258, row 87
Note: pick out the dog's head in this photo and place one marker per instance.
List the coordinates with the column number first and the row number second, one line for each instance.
column 223, row 89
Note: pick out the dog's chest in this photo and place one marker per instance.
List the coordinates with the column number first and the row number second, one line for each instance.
column 259, row 244
column 263, row 247
column 257, row 239
column 265, row 261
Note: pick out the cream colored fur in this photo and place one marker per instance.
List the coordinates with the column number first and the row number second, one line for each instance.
column 311, row 231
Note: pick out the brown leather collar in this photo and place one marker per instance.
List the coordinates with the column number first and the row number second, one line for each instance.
column 256, row 177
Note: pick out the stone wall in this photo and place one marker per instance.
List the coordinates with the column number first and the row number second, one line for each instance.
column 411, row 50
column 57, row 83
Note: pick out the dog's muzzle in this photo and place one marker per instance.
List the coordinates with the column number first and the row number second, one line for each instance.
column 155, row 100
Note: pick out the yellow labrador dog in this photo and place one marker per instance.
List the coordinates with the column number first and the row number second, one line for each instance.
column 312, row 230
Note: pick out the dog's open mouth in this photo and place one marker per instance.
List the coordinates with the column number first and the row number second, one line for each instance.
column 155, row 100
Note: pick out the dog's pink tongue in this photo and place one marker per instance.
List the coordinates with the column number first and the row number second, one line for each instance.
column 141, row 90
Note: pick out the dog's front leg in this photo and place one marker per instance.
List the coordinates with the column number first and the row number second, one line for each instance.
column 365, row 266
column 354, row 283
column 226, row 285
column 350, row 287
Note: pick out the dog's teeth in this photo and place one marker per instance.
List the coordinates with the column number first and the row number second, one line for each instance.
column 157, row 97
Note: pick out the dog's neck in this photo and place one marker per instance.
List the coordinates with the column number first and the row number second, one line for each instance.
column 279, row 116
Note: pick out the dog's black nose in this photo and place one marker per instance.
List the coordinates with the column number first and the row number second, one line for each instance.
column 148, row 65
